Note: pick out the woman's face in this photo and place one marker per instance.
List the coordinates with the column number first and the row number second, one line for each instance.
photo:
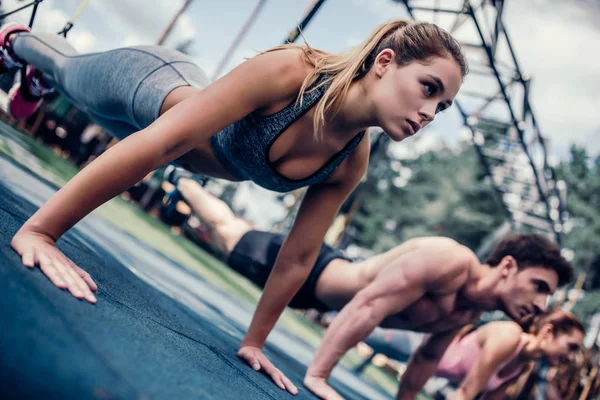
column 562, row 347
column 407, row 97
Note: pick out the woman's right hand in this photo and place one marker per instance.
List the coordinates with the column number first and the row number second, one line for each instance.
column 39, row 249
column 321, row 388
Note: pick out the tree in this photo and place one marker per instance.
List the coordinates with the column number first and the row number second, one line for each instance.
column 582, row 233
column 582, row 177
column 442, row 192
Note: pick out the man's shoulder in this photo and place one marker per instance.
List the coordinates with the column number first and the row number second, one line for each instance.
column 465, row 257
column 434, row 261
column 458, row 258
column 450, row 266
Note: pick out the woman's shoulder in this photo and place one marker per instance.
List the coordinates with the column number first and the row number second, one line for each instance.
column 268, row 78
column 288, row 66
column 507, row 332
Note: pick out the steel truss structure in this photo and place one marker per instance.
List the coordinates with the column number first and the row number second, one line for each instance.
column 495, row 107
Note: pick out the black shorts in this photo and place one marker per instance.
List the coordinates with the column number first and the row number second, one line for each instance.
column 254, row 257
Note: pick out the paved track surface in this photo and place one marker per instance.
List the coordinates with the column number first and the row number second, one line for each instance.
column 158, row 331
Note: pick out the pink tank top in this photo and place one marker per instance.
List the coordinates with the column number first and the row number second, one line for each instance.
column 461, row 356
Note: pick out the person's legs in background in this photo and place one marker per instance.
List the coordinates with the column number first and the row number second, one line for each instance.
column 214, row 213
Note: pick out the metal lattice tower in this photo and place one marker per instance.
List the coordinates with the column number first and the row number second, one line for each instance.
column 495, row 106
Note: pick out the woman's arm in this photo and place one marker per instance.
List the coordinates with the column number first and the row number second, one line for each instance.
column 423, row 363
column 499, row 393
column 499, row 344
column 256, row 83
column 296, row 258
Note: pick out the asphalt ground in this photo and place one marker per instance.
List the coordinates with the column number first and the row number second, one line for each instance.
column 158, row 330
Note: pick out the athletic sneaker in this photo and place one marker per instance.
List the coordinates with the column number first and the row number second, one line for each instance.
column 8, row 60
column 169, row 204
column 25, row 100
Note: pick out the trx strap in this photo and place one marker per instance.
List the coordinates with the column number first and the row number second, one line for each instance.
column 73, row 18
column 34, row 3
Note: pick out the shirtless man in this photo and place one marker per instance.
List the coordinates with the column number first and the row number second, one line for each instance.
column 430, row 284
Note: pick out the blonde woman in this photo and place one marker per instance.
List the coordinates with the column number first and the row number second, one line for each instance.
column 288, row 118
column 488, row 359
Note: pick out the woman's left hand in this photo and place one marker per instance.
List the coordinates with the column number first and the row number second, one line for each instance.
column 254, row 357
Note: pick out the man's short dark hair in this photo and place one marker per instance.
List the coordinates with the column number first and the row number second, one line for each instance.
column 533, row 250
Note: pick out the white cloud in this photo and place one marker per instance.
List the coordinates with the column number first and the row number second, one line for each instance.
column 385, row 9
column 132, row 40
column 83, row 41
column 560, row 55
column 183, row 30
column 150, row 21
column 50, row 19
column 555, row 42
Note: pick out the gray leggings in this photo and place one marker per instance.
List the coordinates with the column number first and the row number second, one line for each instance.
column 122, row 89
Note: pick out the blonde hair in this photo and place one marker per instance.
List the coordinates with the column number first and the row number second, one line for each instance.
column 410, row 41
column 562, row 322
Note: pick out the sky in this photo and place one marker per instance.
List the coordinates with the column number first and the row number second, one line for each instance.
column 554, row 41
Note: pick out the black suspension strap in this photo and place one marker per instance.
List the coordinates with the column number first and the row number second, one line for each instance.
column 64, row 31
column 34, row 3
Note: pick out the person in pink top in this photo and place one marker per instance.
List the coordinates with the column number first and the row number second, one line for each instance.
column 489, row 359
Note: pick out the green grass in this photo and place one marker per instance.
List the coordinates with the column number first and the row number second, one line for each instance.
column 48, row 166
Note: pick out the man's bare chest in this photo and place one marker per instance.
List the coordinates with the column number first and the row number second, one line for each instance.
column 432, row 314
